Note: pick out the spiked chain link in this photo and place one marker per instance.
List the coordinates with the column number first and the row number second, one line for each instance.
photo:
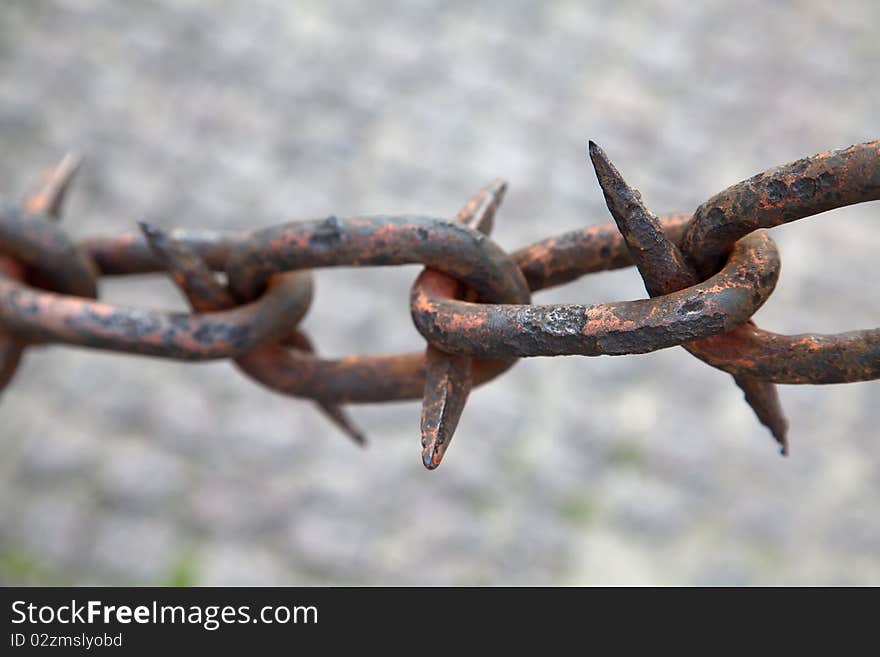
column 706, row 274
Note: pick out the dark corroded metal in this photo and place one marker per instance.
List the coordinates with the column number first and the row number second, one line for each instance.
column 366, row 379
column 780, row 195
column 454, row 249
column 462, row 252
column 665, row 269
column 332, row 411
column 130, row 253
column 10, row 348
column 564, row 258
column 46, row 200
column 207, row 294
column 553, row 261
column 53, row 260
column 354, row 379
column 808, row 358
column 628, row 327
column 34, row 315
column 706, row 276
column 449, row 377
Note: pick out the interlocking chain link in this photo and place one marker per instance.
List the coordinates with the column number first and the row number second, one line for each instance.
column 706, row 275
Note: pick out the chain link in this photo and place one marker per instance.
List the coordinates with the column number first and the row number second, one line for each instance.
column 705, row 274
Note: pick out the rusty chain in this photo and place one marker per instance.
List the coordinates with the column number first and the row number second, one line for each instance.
column 706, row 275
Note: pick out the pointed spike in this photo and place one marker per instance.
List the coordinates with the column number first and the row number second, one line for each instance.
column 763, row 397
column 48, row 197
column 663, row 267
column 337, row 415
column 180, row 260
column 448, row 379
column 334, row 412
column 154, row 234
column 162, row 247
column 448, row 383
column 188, row 270
column 479, row 211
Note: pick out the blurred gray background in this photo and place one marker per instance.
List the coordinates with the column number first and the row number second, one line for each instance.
column 635, row 470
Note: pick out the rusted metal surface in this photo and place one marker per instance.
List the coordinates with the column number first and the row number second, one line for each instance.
column 33, row 315
column 130, row 253
column 11, row 349
column 46, row 200
column 449, row 377
column 625, row 327
column 777, row 196
column 780, row 195
column 665, row 269
column 565, row 258
column 807, row 358
column 206, row 294
column 461, row 252
column 706, row 274
column 53, row 260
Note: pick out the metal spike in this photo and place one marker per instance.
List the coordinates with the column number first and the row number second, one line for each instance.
column 665, row 269
column 448, row 378
column 479, row 211
column 448, row 383
column 189, row 271
column 763, row 397
column 48, row 197
column 334, row 412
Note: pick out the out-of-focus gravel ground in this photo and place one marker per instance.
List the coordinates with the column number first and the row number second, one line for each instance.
column 644, row 470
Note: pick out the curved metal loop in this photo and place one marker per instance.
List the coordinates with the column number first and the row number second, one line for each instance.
column 780, row 195
column 456, row 255
column 553, row 261
column 665, row 269
column 811, row 358
column 54, row 261
column 376, row 378
column 130, row 253
column 463, row 253
column 468, row 342
column 628, row 327
column 11, row 349
column 31, row 315
column 45, row 201
column 70, row 316
column 460, row 251
column 449, row 377
column 206, row 294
